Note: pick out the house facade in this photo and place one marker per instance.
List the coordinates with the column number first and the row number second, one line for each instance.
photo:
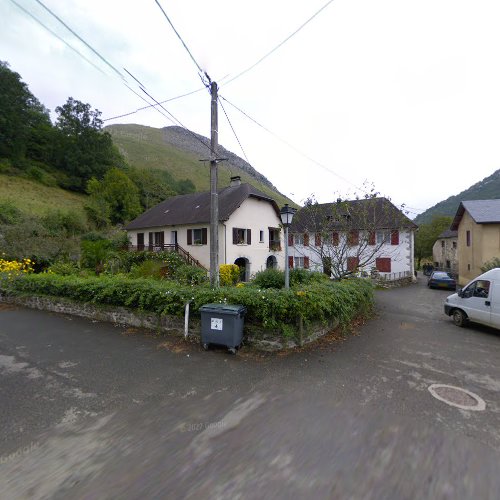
column 444, row 251
column 478, row 226
column 368, row 236
column 249, row 228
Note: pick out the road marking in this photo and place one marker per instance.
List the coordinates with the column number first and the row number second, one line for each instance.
column 457, row 397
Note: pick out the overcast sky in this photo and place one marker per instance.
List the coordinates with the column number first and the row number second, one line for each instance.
column 400, row 94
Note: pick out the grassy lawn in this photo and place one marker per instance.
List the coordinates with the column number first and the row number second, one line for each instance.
column 37, row 199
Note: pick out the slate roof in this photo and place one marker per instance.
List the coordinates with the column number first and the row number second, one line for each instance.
column 195, row 208
column 375, row 213
column 482, row 211
column 448, row 233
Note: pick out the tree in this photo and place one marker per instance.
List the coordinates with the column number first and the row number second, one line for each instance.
column 25, row 124
column 84, row 150
column 345, row 237
column 116, row 192
column 428, row 234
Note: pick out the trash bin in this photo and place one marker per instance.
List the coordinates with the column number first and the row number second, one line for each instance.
column 222, row 324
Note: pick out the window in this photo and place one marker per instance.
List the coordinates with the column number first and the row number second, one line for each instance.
column 352, row 263
column 301, row 262
column 140, row 241
column 467, row 237
column 353, row 238
column 454, row 244
column 300, row 239
column 242, row 236
column 274, row 239
column 442, row 243
column 395, row 237
column 383, row 264
column 159, row 238
column 197, row 236
column 480, row 289
column 261, row 236
column 382, row 237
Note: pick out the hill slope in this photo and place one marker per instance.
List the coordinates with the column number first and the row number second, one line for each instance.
column 179, row 152
column 487, row 189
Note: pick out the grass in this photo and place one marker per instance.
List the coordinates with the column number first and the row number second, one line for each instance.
column 33, row 198
column 144, row 147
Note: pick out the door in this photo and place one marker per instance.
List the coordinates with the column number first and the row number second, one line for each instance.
column 173, row 237
column 476, row 300
column 140, row 241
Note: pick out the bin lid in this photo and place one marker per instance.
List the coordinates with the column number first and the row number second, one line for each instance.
column 223, row 308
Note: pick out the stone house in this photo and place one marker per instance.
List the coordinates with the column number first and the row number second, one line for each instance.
column 478, row 225
column 444, row 251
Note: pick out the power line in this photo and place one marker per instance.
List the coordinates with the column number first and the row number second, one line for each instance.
column 53, row 33
column 279, row 45
column 153, row 105
column 200, row 70
column 81, row 39
column 234, row 131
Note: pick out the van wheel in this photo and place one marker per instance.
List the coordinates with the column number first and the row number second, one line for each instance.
column 459, row 318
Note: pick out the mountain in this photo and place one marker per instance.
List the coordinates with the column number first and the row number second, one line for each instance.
column 487, row 189
column 179, row 151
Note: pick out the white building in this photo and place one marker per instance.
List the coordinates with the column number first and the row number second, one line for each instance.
column 352, row 236
column 249, row 228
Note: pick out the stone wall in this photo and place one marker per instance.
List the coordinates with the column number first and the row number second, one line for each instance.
column 259, row 338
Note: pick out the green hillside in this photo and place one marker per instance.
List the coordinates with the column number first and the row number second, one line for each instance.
column 487, row 189
column 33, row 198
column 179, row 152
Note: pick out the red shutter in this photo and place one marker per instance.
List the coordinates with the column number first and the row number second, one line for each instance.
column 290, row 262
column 306, row 262
column 249, row 236
column 383, row 264
column 317, row 239
column 353, row 238
column 190, row 237
column 204, row 236
column 290, row 240
column 395, row 237
column 306, row 239
column 335, row 239
column 352, row 263
column 371, row 238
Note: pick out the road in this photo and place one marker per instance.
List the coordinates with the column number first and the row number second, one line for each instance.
column 92, row 410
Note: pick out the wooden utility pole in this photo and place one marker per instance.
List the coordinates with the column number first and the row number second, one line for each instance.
column 214, row 197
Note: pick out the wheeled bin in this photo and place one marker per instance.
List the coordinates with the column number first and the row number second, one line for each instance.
column 222, row 324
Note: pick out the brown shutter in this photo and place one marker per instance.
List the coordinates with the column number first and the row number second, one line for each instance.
column 204, row 236
column 371, row 238
column 249, row 236
column 395, row 237
column 290, row 240
column 190, row 237
column 235, row 235
column 335, row 239
column 306, row 239
column 353, row 238
column 306, row 262
column 290, row 262
column 383, row 264
column 317, row 239
column 352, row 263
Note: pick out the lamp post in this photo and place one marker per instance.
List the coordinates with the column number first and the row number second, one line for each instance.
column 287, row 214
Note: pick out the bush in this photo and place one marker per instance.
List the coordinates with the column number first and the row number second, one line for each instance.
column 64, row 268
column 491, row 264
column 190, row 275
column 148, row 269
column 229, row 274
column 269, row 278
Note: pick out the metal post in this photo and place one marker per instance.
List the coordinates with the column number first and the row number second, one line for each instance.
column 287, row 274
column 214, row 200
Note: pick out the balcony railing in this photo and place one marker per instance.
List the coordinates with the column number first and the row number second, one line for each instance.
column 169, row 247
column 275, row 246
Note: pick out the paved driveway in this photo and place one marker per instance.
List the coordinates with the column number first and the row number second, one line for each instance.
column 92, row 410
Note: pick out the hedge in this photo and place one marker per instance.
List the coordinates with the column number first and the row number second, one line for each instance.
column 269, row 308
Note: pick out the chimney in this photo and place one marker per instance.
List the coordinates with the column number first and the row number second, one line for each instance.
column 235, row 181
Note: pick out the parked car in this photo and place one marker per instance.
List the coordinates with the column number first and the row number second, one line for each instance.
column 441, row 279
column 478, row 301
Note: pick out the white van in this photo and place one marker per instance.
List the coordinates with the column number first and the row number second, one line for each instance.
column 479, row 301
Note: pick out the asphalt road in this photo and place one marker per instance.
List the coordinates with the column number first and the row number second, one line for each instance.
column 91, row 410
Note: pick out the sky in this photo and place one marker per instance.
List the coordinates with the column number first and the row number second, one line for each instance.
column 393, row 95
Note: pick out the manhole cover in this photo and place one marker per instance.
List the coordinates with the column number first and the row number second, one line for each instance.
column 458, row 397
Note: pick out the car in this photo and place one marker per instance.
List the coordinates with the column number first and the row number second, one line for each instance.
column 441, row 279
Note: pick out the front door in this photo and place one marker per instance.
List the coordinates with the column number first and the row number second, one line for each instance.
column 173, row 237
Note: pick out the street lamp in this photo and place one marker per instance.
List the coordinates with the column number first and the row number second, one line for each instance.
column 287, row 214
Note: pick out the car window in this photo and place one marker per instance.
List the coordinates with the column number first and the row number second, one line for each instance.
column 440, row 275
column 480, row 288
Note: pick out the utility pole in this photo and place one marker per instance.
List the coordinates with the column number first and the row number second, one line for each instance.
column 214, row 197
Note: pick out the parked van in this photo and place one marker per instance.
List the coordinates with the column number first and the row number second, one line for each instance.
column 479, row 301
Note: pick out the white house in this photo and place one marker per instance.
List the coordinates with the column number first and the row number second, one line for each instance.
column 358, row 235
column 249, row 228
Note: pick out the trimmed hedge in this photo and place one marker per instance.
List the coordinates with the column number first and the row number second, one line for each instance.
column 269, row 308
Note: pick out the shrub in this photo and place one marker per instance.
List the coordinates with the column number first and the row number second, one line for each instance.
column 64, row 268
column 147, row 269
column 229, row 274
column 191, row 275
column 491, row 264
column 269, row 278
column 95, row 253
